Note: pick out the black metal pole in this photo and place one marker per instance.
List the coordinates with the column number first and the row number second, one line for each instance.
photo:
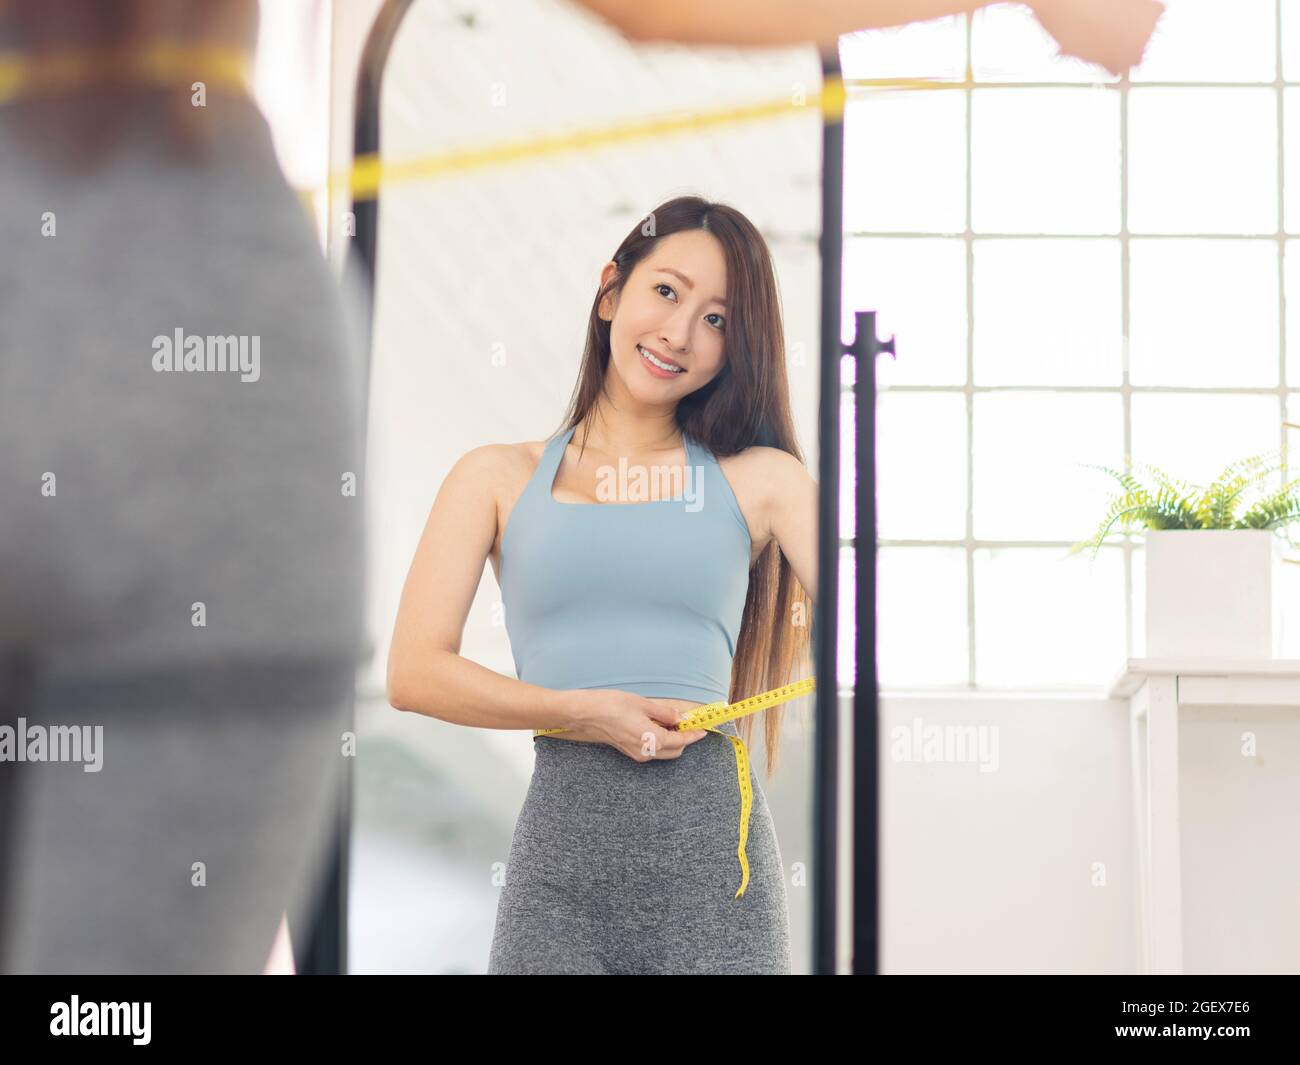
column 866, row 689
column 826, row 609
column 364, row 249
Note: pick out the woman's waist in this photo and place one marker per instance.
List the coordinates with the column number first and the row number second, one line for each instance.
column 681, row 689
column 586, row 762
column 598, row 783
column 674, row 703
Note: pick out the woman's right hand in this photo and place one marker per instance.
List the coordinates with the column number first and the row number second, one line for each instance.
column 640, row 728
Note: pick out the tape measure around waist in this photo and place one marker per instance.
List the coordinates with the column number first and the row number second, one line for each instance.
column 711, row 714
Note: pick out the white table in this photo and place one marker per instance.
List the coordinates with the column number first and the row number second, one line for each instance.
column 1156, row 689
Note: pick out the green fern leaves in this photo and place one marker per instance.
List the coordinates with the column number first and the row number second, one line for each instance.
column 1164, row 503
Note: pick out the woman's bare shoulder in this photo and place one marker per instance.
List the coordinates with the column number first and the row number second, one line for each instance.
column 501, row 458
column 504, row 468
column 761, row 462
column 761, row 475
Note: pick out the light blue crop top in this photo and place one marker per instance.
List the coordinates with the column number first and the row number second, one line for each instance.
column 642, row 597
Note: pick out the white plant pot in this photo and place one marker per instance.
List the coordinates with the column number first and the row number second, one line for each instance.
column 1210, row 593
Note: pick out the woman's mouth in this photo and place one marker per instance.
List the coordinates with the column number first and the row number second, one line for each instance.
column 657, row 366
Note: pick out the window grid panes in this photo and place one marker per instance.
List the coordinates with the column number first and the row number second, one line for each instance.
column 1077, row 268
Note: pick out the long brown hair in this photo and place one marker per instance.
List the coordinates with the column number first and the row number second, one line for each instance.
column 79, row 125
column 746, row 404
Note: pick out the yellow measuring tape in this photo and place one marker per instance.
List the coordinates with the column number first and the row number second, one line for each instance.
column 166, row 62
column 711, row 714
column 163, row 62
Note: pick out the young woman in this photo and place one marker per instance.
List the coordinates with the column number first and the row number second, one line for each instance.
column 131, row 213
column 657, row 554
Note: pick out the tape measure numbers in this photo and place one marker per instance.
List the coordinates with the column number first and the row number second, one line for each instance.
column 711, row 714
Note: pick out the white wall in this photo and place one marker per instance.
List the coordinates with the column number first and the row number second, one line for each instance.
column 995, row 871
column 1030, row 868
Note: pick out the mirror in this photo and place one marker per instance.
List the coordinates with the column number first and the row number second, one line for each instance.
column 631, row 557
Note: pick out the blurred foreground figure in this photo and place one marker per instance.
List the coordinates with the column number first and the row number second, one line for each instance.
column 181, row 556
column 1110, row 33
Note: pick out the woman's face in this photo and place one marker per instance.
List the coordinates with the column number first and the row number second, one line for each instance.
column 674, row 304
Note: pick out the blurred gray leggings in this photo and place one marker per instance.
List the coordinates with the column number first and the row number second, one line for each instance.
column 236, row 766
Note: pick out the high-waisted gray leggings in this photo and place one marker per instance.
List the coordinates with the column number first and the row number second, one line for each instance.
column 626, row 867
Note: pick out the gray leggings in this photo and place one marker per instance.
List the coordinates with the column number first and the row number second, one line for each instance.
column 625, row 867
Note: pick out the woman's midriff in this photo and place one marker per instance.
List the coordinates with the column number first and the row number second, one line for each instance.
column 678, row 704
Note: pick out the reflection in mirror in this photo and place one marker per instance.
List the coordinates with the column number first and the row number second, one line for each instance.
column 592, row 431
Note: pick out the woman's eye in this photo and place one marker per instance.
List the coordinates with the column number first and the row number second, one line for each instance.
column 719, row 325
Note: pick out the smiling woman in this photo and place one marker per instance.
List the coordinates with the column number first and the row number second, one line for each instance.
column 692, row 284
column 624, row 615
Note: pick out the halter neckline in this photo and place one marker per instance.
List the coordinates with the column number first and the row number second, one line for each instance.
column 692, row 462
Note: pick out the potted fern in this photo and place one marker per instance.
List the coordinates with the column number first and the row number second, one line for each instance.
column 1210, row 557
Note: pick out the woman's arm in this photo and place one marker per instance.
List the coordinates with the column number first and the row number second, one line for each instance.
column 1112, row 33
column 791, row 506
column 767, row 22
column 426, row 672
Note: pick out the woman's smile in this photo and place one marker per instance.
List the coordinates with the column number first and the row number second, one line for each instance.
column 656, row 366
